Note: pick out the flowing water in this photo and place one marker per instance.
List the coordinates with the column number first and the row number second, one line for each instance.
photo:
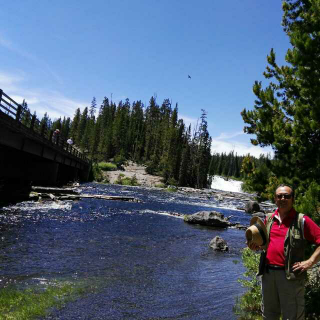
column 143, row 262
column 221, row 183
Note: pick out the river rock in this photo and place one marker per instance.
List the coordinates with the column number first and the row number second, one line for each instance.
column 208, row 218
column 218, row 244
column 259, row 214
column 252, row 206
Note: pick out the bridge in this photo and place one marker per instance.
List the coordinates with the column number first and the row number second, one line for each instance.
column 30, row 153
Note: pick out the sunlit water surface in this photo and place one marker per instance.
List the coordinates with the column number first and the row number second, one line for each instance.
column 143, row 262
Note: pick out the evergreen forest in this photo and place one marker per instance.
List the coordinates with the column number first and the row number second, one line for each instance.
column 153, row 135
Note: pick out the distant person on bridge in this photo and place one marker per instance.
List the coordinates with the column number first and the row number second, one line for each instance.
column 55, row 136
column 70, row 141
column 283, row 265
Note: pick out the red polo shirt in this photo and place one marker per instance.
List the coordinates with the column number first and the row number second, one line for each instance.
column 275, row 253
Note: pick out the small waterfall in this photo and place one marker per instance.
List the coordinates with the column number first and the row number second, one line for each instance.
column 223, row 184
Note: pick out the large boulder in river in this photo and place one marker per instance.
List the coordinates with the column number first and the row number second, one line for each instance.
column 208, row 218
column 252, row 206
column 218, row 244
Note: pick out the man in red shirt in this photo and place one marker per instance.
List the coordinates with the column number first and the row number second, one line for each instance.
column 283, row 282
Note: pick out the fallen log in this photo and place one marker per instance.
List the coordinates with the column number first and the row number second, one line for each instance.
column 69, row 197
column 99, row 196
column 53, row 190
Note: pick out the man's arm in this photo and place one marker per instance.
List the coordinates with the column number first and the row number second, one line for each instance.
column 307, row 264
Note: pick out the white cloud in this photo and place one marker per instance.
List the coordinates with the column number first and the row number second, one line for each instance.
column 42, row 101
column 188, row 120
column 220, row 146
column 54, row 103
column 8, row 82
column 226, row 136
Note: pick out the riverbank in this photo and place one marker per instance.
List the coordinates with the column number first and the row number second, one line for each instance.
column 132, row 169
column 226, row 190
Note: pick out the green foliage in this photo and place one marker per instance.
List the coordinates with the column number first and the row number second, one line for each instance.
column 312, row 294
column 248, row 306
column 286, row 112
column 256, row 176
column 308, row 203
column 172, row 182
column 171, row 189
column 127, row 181
column 33, row 303
column 96, row 173
column 160, row 185
column 107, row 166
column 120, row 160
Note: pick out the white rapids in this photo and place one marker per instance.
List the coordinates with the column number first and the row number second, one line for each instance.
column 223, row 184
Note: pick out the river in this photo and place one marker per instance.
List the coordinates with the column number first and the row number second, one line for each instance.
column 144, row 263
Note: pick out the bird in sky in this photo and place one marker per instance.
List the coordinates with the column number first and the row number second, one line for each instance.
column 189, row 77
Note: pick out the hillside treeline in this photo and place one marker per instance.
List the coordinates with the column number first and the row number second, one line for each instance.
column 153, row 135
column 231, row 165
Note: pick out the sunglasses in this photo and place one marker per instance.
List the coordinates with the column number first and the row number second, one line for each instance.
column 286, row 196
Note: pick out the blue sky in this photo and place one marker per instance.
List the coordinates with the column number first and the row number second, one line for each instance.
column 58, row 55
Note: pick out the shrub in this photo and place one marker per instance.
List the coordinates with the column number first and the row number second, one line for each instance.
column 312, row 294
column 171, row 189
column 120, row 160
column 308, row 203
column 107, row 166
column 134, row 181
column 96, row 173
column 160, row 185
column 126, row 181
column 248, row 306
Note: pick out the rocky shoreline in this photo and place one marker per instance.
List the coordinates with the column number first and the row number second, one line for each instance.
column 144, row 179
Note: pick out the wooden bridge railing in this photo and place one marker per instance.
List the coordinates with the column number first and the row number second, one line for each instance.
column 26, row 119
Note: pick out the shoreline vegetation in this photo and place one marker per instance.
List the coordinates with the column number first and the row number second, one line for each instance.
column 35, row 302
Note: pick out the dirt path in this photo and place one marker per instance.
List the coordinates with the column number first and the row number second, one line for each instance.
column 131, row 169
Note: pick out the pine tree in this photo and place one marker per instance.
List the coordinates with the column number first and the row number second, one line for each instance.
column 82, row 133
column 26, row 114
column 93, row 108
column 286, row 114
column 75, row 126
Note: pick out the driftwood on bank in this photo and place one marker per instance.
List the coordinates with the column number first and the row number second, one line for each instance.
column 71, row 194
column 52, row 190
column 99, row 196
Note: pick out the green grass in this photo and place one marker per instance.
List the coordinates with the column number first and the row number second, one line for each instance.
column 107, row 166
column 171, row 189
column 160, row 185
column 34, row 302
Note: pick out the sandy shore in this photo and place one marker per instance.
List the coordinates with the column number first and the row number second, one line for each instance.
column 131, row 169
